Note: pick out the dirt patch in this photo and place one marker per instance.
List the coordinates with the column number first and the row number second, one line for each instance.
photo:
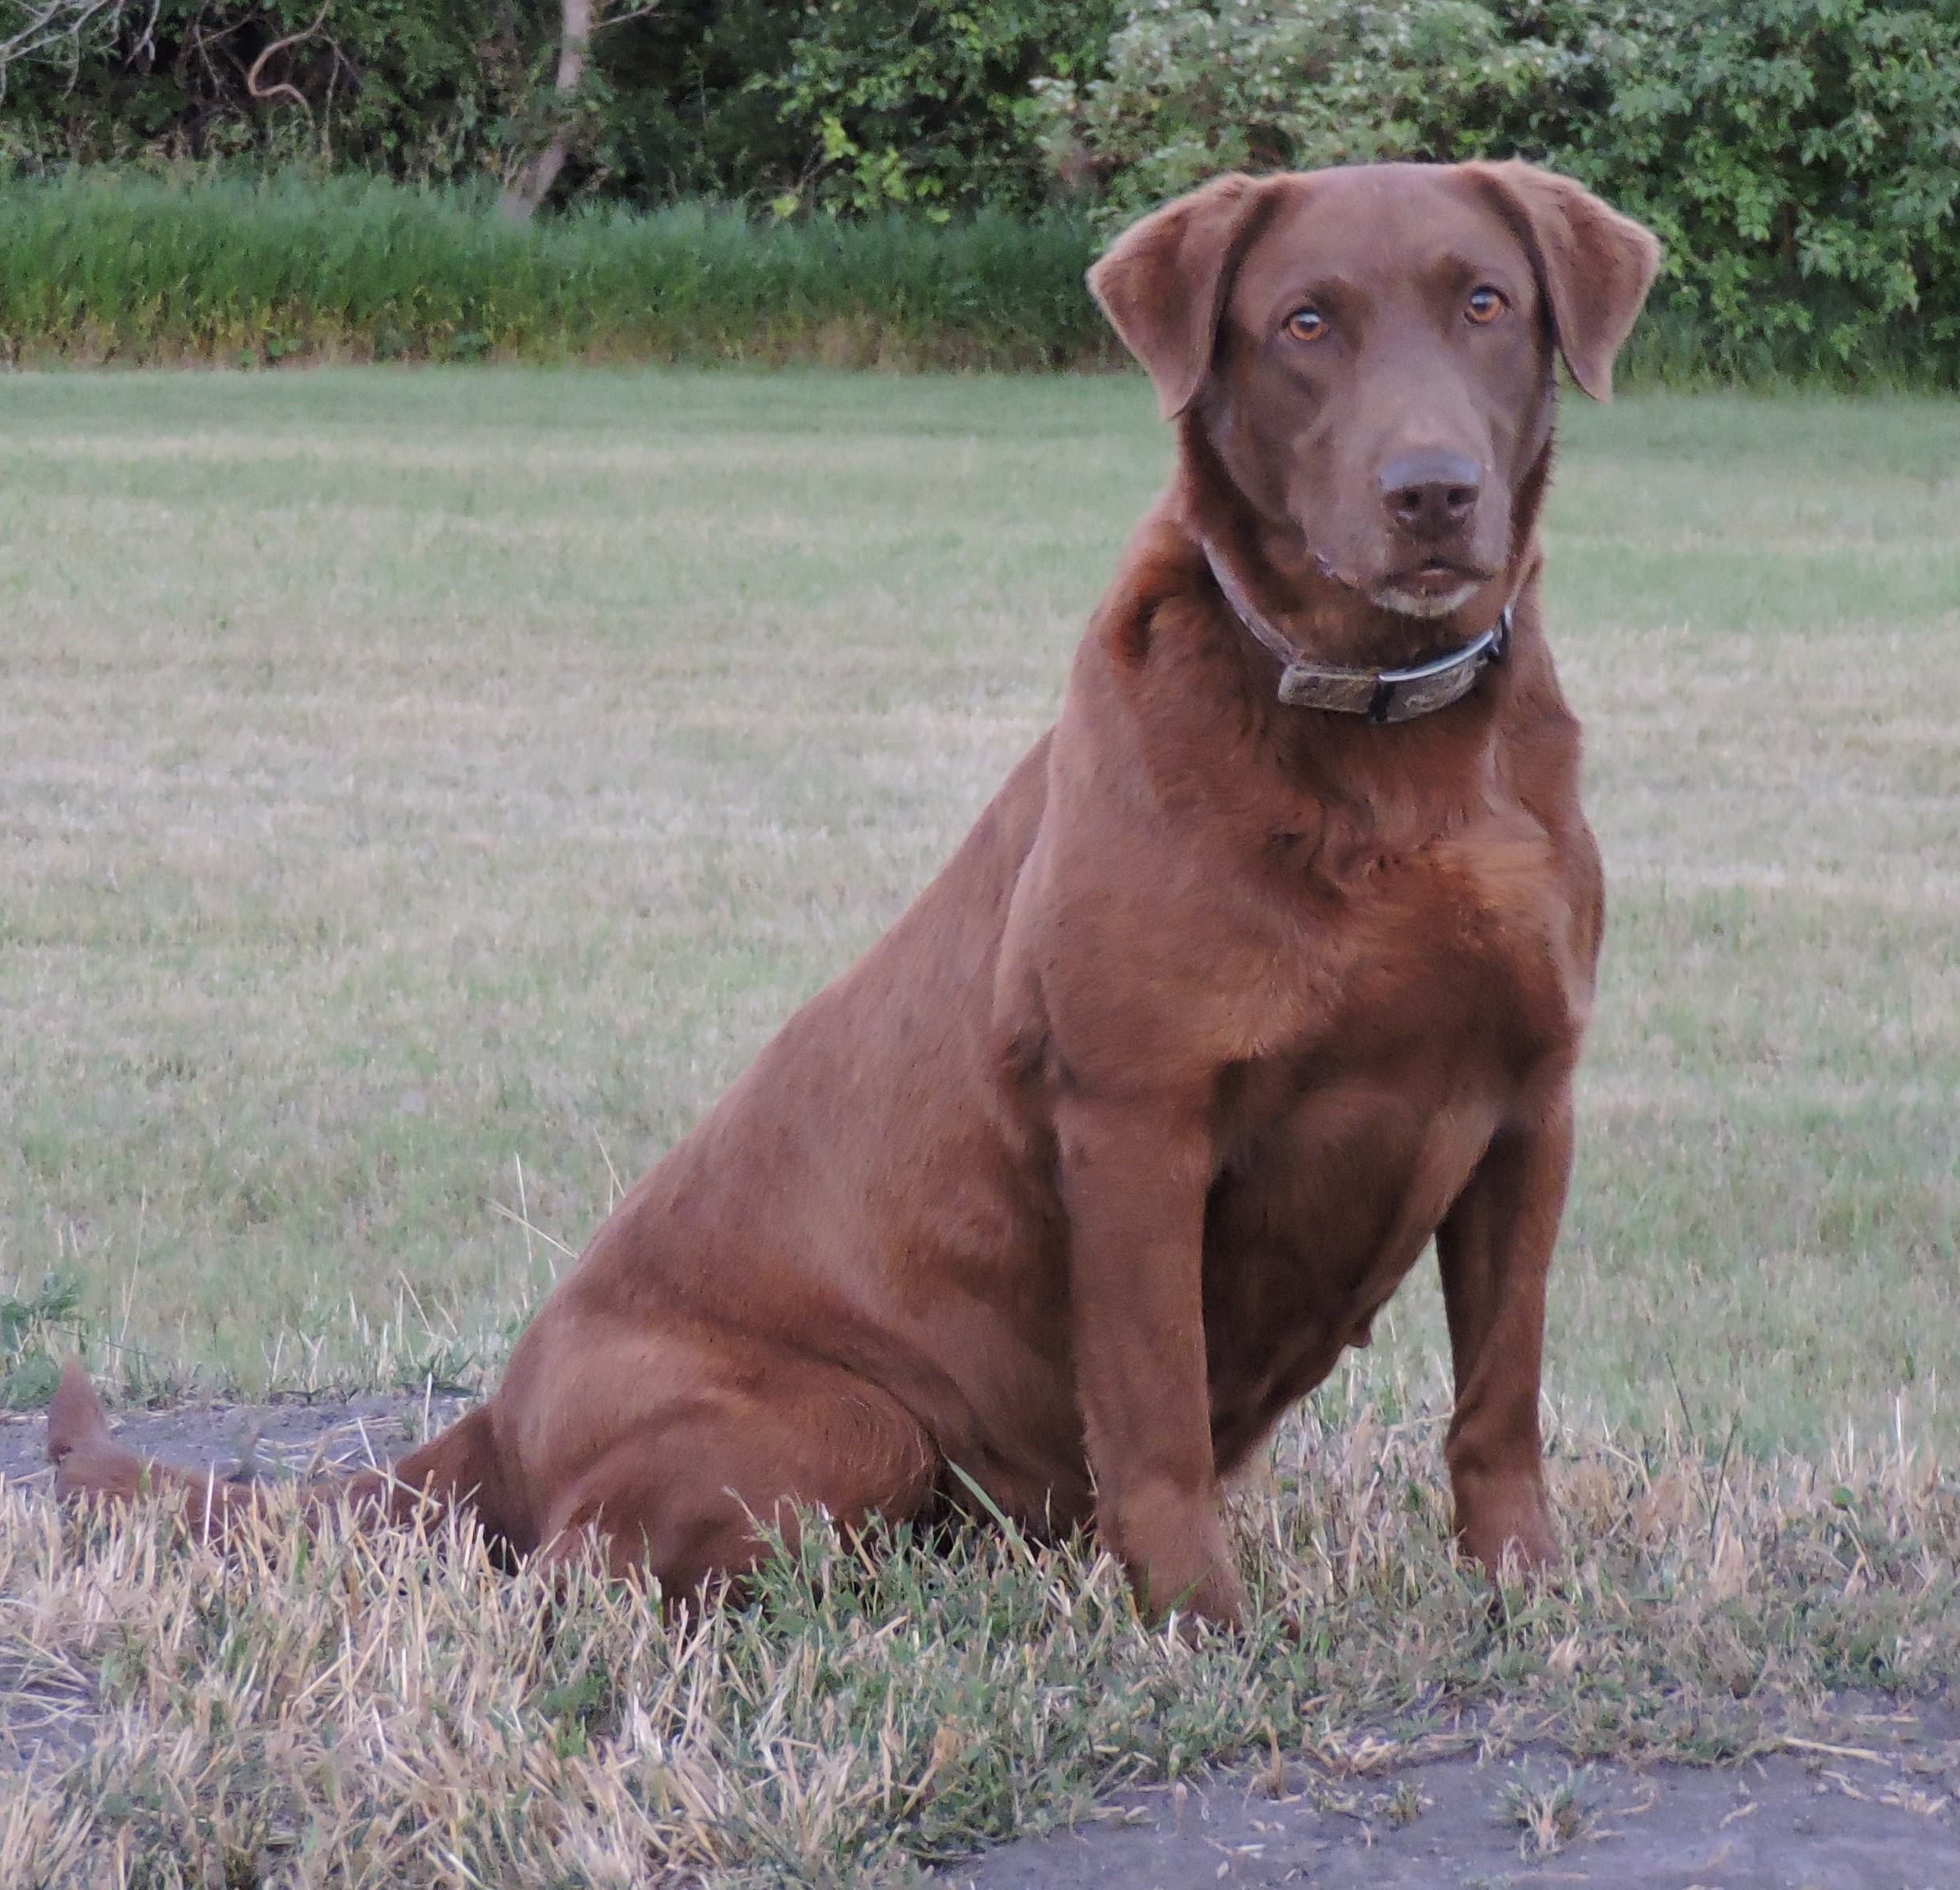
column 1875, row 1813
column 291, row 1439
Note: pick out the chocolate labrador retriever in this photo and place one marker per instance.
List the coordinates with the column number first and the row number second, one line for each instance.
column 1268, row 963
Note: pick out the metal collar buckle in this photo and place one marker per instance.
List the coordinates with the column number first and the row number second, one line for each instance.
column 1397, row 695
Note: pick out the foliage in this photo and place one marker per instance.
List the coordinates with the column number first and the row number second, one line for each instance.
column 1283, row 84
column 1800, row 158
column 34, row 1329
column 854, row 106
column 134, row 268
column 928, row 102
column 420, row 90
column 683, row 114
column 57, row 32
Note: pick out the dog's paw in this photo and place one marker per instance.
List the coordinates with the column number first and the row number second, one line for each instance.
column 1218, row 1601
column 1509, row 1528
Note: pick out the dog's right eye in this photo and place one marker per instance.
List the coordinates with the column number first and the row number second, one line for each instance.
column 1306, row 324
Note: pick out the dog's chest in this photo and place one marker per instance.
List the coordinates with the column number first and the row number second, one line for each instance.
column 1479, row 942
column 1423, row 1007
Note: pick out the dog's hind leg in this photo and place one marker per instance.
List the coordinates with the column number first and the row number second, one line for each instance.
column 691, row 1492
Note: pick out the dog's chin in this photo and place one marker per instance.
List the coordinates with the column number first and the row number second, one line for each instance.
column 1406, row 602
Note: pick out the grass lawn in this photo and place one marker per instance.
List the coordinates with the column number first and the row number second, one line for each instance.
column 422, row 792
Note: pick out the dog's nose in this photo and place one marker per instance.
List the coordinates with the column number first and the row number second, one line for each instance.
column 1430, row 495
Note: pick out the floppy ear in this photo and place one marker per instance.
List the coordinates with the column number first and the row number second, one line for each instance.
column 1163, row 281
column 1595, row 265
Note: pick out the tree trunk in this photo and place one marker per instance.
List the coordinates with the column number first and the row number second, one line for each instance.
column 533, row 183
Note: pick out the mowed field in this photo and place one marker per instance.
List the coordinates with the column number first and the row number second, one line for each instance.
column 422, row 792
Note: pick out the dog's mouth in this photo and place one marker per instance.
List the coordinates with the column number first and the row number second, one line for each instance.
column 1430, row 590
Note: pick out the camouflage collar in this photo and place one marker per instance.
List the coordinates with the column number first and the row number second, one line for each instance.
column 1381, row 695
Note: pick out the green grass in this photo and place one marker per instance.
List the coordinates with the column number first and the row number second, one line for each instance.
column 110, row 266
column 413, row 777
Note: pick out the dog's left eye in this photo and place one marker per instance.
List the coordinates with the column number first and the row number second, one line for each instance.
column 1485, row 305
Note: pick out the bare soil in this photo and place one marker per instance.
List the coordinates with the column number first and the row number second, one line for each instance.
column 1877, row 1814
column 1876, row 1807
column 294, row 1437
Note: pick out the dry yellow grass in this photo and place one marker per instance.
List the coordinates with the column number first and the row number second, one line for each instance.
column 331, row 1710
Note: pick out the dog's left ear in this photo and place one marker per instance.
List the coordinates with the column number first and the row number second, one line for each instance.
column 1595, row 265
column 1163, row 281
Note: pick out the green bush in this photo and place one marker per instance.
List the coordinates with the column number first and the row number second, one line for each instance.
column 1800, row 158
column 102, row 266
column 852, row 105
column 409, row 86
column 930, row 101
column 1282, row 84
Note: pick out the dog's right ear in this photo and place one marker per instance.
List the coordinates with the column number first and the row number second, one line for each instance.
column 1163, row 281
column 1594, row 265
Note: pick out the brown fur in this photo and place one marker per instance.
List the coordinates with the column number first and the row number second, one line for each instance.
column 1095, row 1163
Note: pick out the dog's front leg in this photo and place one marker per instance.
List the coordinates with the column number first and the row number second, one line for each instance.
column 1135, row 1175
column 1496, row 1249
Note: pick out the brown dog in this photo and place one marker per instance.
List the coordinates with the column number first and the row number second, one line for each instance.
column 1262, row 969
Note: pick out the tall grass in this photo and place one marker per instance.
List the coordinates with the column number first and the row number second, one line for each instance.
column 106, row 266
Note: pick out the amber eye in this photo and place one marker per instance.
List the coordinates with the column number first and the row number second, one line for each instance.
column 1306, row 324
column 1485, row 305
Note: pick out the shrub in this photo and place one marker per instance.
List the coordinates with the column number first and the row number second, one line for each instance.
column 852, row 105
column 929, row 101
column 406, row 85
column 1283, row 84
column 1800, row 158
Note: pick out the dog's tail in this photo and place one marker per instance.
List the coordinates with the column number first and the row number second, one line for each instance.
column 459, row 1466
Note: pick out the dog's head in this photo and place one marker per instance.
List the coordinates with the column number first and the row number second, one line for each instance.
column 1368, row 353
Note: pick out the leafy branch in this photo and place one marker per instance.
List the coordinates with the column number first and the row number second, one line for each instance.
column 66, row 29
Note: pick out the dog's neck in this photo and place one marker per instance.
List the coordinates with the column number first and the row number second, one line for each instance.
column 1366, row 793
column 1403, row 694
